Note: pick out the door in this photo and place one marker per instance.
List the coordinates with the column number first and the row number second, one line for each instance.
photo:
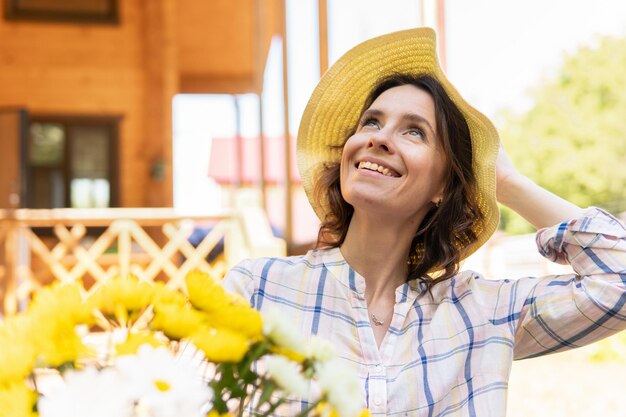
column 13, row 128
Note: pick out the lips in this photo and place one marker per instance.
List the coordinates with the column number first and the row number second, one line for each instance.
column 377, row 167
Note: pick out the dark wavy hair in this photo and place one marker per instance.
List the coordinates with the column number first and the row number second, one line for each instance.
column 446, row 231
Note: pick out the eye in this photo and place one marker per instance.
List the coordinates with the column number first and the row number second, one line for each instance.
column 416, row 132
column 369, row 122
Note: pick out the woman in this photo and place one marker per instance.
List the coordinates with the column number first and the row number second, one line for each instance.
column 403, row 174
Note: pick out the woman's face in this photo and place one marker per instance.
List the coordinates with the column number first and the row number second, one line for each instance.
column 394, row 164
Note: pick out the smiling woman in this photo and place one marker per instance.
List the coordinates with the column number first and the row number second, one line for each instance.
column 410, row 123
column 405, row 175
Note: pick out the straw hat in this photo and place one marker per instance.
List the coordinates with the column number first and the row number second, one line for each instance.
column 335, row 106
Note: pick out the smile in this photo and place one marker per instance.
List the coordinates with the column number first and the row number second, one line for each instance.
column 372, row 166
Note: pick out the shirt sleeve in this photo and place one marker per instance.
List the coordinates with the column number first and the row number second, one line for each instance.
column 566, row 311
column 240, row 280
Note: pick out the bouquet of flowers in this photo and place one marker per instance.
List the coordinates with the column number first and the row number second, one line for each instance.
column 128, row 348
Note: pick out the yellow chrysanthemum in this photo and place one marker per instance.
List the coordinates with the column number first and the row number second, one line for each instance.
column 288, row 353
column 205, row 292
column 238, row 316
column 17, row 353
column 177, row 322
column 164, row 295
column 57, row 343
column 61, row 303
column 134, row 341
column 120, row 297
column 223, row 310
column 214, row 413
column 54, row 315
column 221, row 345
column 17, row 400
column 324, row 409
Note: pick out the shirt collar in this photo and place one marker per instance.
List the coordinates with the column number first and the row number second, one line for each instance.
column 337, row 266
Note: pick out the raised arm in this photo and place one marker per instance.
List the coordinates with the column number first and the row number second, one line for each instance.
column 555, row 313
column 538, row 206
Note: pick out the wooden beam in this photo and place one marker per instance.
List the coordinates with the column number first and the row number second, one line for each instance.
column 441, row 33
column 322, row 6
column 260, row 67
column 217, row 84
column 161, row 84
column 288, row 203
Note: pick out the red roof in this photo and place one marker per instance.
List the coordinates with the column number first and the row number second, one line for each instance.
column 223, row 166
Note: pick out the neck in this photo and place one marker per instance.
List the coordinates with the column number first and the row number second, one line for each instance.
column 378, row 249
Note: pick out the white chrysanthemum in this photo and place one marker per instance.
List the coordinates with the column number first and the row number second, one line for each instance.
column 282, row 332
column 88, row 393
column 286, row 374
column 165, row 385
column 341, row 386
column 320, row 350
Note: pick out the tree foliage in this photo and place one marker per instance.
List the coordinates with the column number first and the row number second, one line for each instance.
column 573, row 139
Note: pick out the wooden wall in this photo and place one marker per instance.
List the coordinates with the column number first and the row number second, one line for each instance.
column 218, row 43
column 133, row 70
column 82, row 69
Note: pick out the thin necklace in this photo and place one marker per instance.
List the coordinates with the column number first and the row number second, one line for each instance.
column 375, row 320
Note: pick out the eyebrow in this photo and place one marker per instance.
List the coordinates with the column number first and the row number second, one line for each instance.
column 412, row 117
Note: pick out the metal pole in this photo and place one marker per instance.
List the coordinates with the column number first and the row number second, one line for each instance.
column 322, row 6
column 288, row 205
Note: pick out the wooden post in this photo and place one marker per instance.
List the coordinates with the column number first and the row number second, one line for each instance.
column 11, row 256
column 161, row 80
column 288, row 205
column 441, row 33
column 124, row 247
column 322, row 6
column 238, row 144
column 260, row 64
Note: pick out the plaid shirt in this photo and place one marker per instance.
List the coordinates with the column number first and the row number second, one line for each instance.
column 451, row 355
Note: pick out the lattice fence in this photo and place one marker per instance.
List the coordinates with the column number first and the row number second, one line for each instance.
column 42, row 246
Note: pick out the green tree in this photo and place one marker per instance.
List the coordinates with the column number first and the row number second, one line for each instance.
column 573, row 140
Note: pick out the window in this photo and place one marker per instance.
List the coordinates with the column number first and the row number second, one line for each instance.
column 78, row 11
column 72, row 162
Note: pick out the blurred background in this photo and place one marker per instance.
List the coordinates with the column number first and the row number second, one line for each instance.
column 154, row 112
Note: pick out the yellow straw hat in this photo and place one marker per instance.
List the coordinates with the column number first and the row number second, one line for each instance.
column 336, row 104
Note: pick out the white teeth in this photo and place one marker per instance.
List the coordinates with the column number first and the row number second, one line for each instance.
column 375, row 167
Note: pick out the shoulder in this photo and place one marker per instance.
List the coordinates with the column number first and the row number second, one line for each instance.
column 276, row 268
column 259, row 267
column 468, row 284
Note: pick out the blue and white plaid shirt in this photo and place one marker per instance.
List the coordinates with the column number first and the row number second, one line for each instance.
column 451, row 355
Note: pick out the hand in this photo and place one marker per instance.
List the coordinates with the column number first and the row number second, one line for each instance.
column 538, row 206
column 505, row 173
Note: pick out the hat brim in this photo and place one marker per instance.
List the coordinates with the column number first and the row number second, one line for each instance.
column 336, row 103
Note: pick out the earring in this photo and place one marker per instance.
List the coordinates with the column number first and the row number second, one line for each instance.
column 437, row 203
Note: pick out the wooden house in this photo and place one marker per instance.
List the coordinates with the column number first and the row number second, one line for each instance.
column 86, row 91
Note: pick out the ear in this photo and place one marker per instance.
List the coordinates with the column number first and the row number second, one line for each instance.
column 437, row 198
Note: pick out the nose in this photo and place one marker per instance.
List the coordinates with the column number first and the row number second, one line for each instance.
column 380, row 140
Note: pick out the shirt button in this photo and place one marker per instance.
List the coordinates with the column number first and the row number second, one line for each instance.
column 377, row 401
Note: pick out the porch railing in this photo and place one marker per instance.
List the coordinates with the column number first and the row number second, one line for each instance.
column 42, row 246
